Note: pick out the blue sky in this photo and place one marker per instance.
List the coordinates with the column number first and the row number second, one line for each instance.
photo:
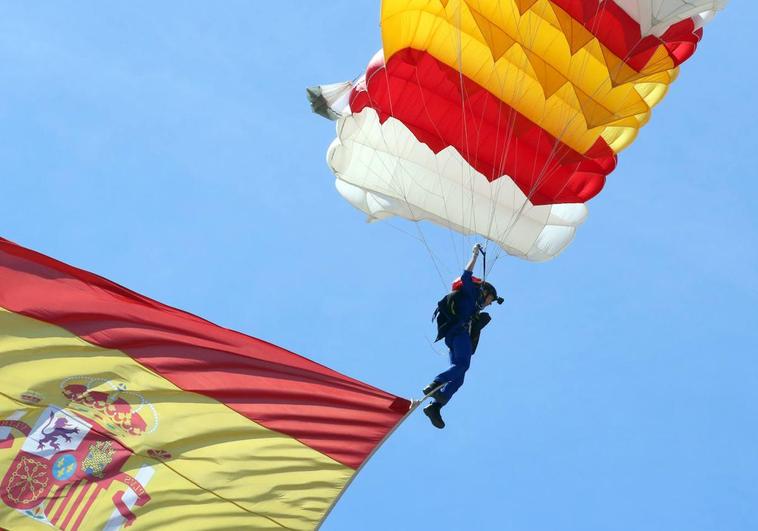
column 170, row 148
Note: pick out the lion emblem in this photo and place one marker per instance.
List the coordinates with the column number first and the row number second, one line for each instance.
column 60, row 429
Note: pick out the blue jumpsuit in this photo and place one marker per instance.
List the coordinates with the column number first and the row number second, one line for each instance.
column 458, row 339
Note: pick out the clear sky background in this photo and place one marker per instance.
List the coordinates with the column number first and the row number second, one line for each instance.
column 169, row 147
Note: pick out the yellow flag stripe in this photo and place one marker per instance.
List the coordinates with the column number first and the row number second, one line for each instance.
column 219, row 468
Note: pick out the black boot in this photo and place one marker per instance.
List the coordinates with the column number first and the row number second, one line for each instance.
column 433, row 412
column 434, row 386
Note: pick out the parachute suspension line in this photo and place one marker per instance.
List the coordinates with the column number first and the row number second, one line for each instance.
column 510, row 126
column 400, row 166
column 439, row 172
column 518, row 212
column 456, row 43
column 470, row 170
column 435, row 259
column 399, row 188
column 421, row 237
column 389, row 171
column 543, row 173
column 402, row 192
column 493, row 200
column 532, row 190
column 567, row 122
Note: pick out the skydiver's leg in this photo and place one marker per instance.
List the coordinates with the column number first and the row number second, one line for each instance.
column 460, row 361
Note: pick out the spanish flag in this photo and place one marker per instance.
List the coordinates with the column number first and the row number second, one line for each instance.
column 117, row 410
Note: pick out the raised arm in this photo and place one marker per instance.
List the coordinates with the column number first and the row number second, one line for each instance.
column 474, row 255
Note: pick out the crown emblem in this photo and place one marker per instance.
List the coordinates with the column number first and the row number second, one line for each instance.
column 112, row 404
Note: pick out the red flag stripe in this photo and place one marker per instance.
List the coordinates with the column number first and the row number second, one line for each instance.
column 52, row 501
column 71, row 487
column 82, row 487
column 90, row 501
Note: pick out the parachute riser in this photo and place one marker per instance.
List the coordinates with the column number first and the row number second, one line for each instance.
column 484, row 261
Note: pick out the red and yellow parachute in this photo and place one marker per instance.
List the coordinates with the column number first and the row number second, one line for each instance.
column 503, row 118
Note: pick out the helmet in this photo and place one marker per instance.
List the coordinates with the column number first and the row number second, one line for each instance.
column 489, row 289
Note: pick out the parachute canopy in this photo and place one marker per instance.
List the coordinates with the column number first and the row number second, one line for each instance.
column 116, row 409
column 503, row 117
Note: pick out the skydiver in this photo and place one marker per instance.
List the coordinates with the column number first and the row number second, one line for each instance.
column 459, row 321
